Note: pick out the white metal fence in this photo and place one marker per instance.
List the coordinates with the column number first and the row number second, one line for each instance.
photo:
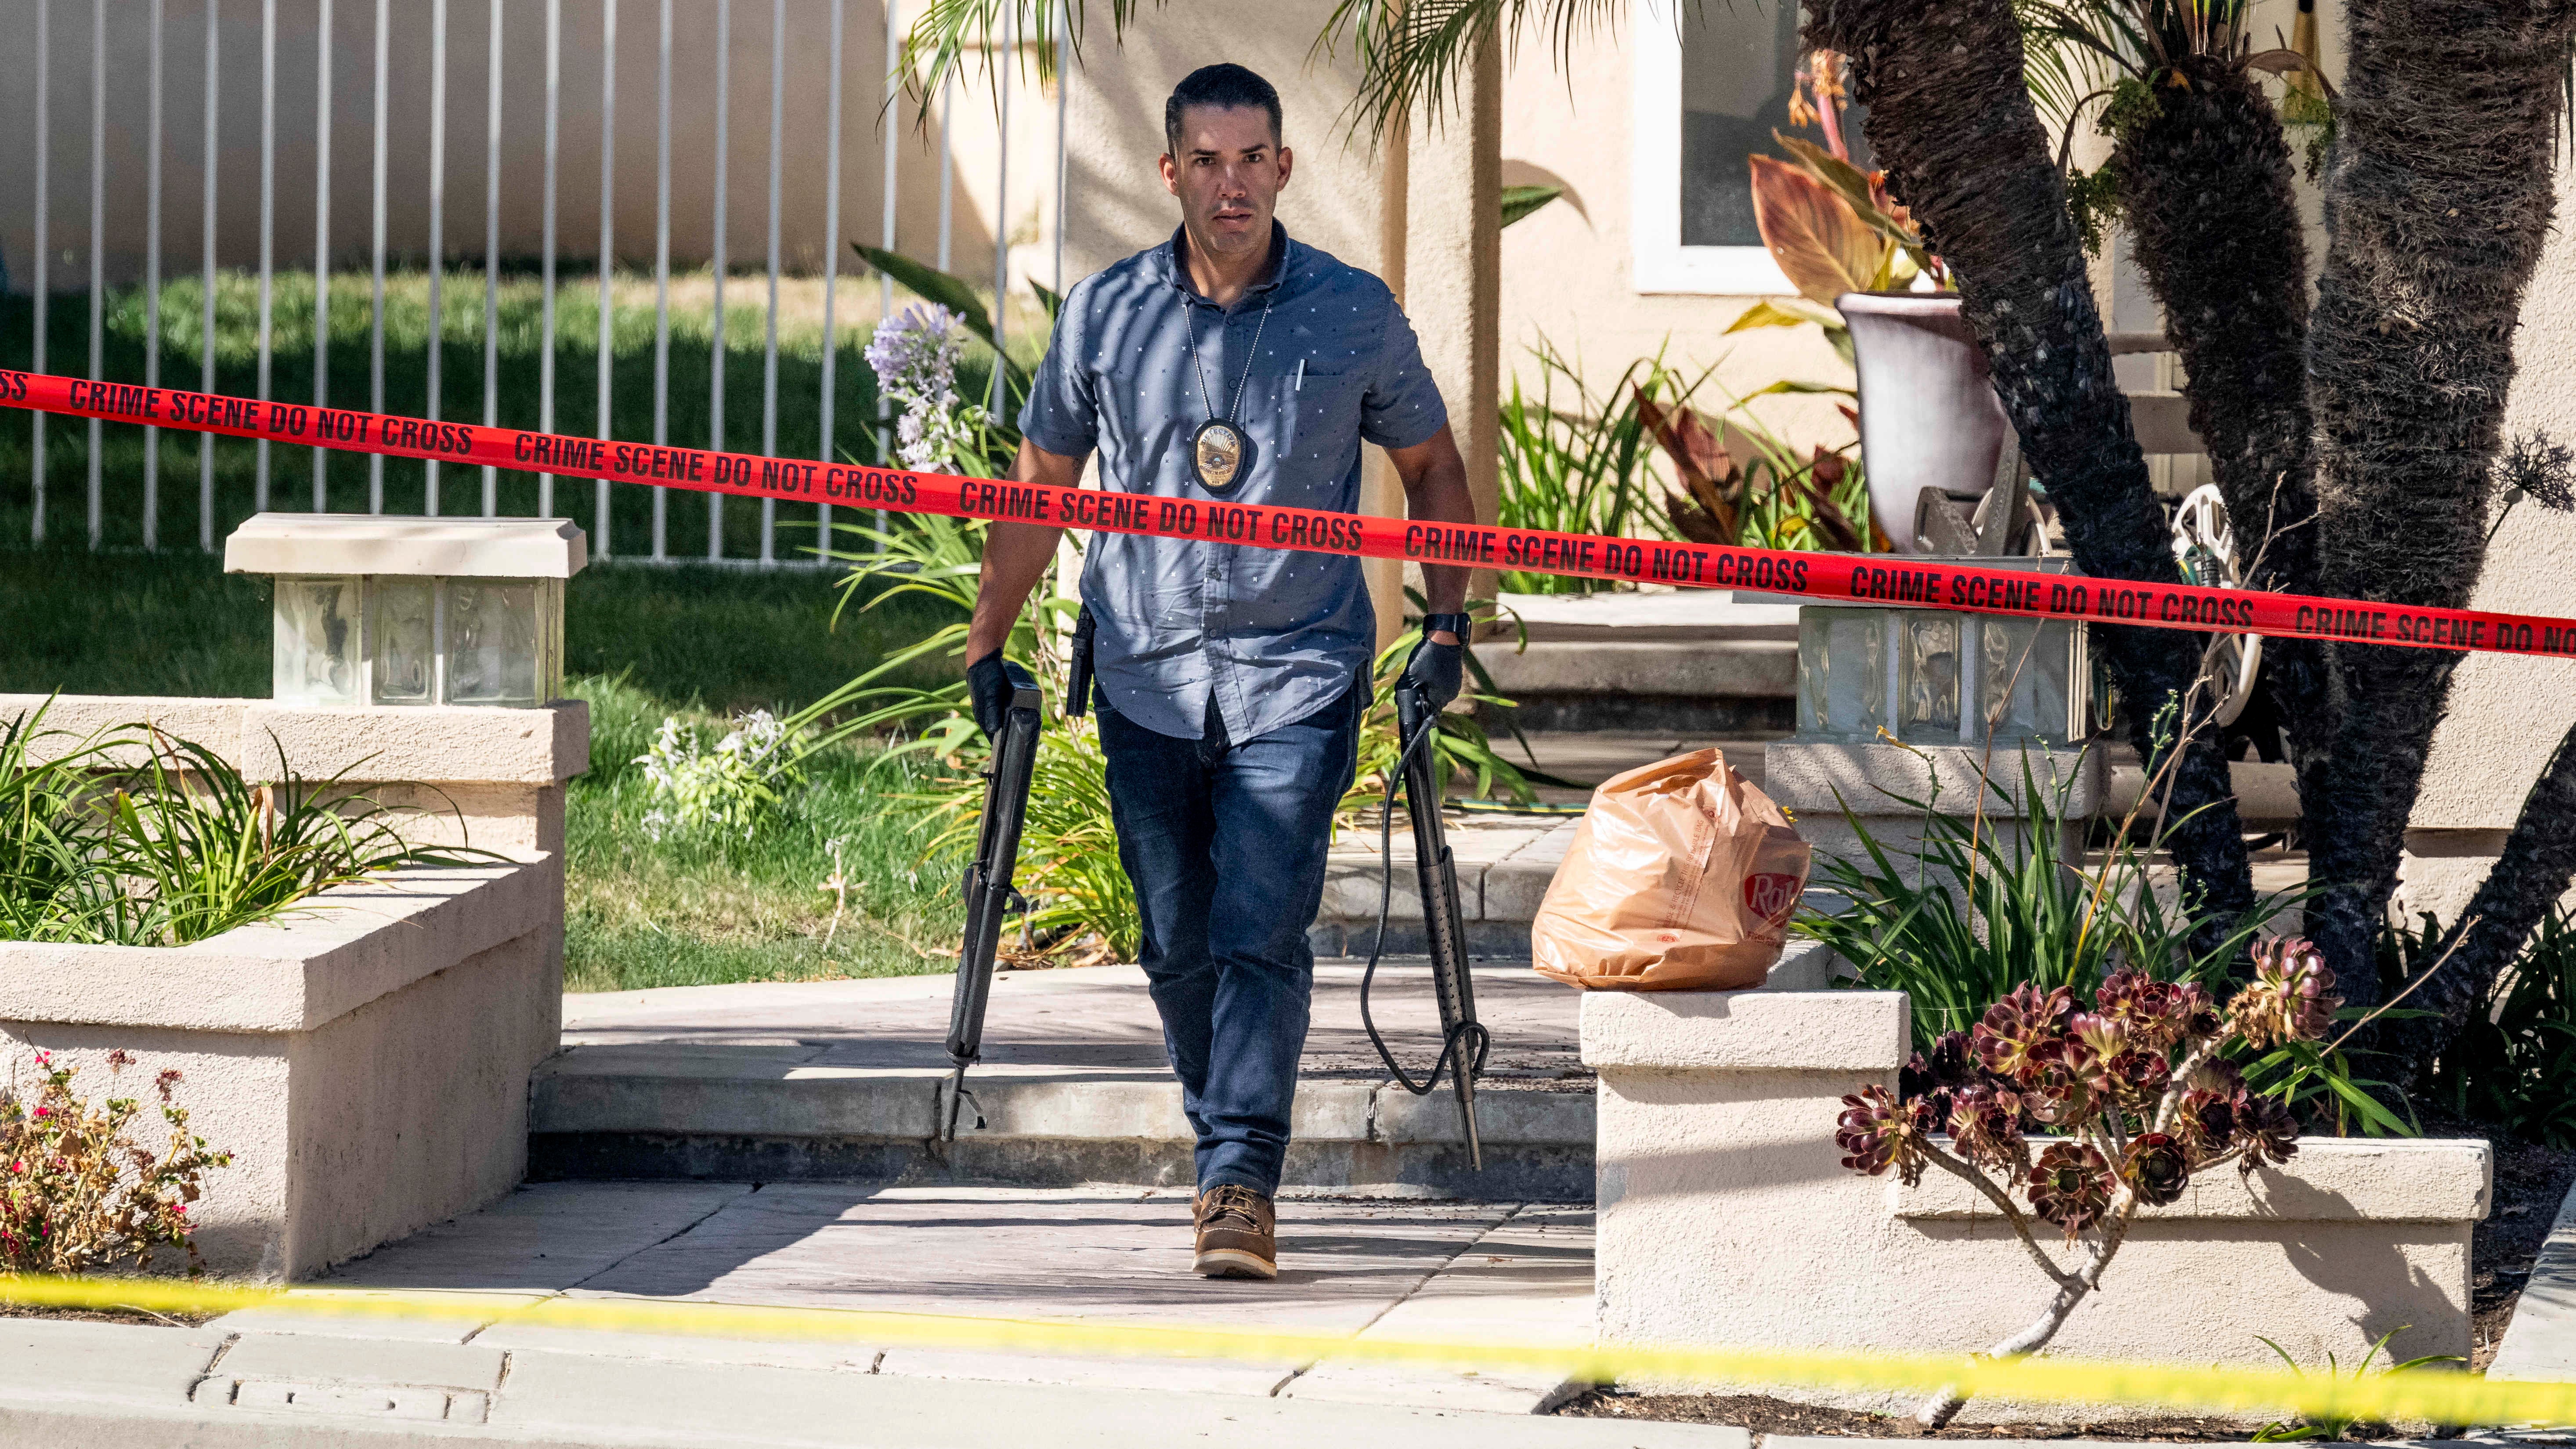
column 187, row 42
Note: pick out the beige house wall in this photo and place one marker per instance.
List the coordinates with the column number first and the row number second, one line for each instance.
column 1568, row 274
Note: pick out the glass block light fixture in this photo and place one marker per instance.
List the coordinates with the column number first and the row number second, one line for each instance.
column 1931, row 676
column 413, row 611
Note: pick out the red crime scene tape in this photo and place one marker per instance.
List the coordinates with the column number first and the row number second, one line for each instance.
column 1825, row 577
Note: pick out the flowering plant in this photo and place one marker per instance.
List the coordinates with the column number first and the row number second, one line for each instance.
column 915, row 356
column 727, row 789
column 2133, row 1090
column 77, row 1192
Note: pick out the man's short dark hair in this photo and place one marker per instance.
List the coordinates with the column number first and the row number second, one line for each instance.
column 1224, row 85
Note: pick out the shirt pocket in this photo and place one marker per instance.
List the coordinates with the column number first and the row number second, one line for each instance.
column 1319, row 423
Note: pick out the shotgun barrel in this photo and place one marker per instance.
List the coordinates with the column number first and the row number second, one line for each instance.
column 989, row 893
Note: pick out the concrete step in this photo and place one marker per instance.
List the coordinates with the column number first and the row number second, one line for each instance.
column 849, row 1080
column 1692, row 660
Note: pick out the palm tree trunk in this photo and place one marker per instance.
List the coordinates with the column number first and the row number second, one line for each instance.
column 2440, row 196
column 2539, row 860
column 1952, row 122
column 2215, row 225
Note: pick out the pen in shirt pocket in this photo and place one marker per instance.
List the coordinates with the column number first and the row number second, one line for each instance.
column 1301, row 376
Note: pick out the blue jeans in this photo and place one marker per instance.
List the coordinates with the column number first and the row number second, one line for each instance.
column 1225, row 844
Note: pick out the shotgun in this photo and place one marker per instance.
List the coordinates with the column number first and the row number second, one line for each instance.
column 1463, row 1040
column 989, row 894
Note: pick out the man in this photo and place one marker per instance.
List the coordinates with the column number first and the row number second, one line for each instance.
column 1229, row 362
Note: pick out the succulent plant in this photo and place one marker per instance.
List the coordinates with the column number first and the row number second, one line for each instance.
column 2105, row 1035
column 2205, row 1123
column 2156, row 1014
column 2020, row 1032
column 1985, row 1123
column 2070, row 1185
column 2137, row 1077
column 1938, row 1075
column 1877, row 1130
column 2267, row 1131
column 2156, row 1168
column 2292, row 998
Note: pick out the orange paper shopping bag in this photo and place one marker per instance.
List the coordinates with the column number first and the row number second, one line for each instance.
column 1682, row 877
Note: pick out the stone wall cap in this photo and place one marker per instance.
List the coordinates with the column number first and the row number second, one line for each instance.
column 1744, row 1031
column 2331, row 1179
column 365, row 543
column 325, row 958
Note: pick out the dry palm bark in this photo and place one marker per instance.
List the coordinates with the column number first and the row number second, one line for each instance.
column 2441, row 195
column 2214, row 225
column 1952, row 123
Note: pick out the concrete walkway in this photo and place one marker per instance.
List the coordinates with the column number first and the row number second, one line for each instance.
column 1513, row 1271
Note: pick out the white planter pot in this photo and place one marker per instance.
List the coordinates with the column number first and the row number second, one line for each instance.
column 1929, row 417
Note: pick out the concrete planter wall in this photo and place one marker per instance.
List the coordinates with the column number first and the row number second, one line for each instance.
column 1727, row 1217
column 365, row 1057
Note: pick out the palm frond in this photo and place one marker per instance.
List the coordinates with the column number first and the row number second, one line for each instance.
column 952, row 36
column 1418, row 53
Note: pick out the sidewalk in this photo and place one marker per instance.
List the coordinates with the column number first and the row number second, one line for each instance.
column 1517, row 1272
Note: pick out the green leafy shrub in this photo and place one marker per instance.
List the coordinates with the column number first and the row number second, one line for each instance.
column 177, row 849
column 2514, row 1064
column 1581, row 463
column 78, row 1193
column 1991, row 901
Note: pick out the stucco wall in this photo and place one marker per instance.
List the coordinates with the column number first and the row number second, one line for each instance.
column 366, row 1059
column 1726, row 1217
column 2508, row 714
column 1567, row 273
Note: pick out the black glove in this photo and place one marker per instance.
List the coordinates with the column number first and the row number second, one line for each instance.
column 990, row 682
column 1434, row 669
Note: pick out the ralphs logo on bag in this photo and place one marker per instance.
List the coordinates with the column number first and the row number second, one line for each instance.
column 1771, row 895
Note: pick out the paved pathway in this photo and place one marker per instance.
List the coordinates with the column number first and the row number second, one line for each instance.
column 1503, row 1271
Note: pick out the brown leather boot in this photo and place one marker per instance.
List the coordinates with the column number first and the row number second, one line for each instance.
column 1238, row 1235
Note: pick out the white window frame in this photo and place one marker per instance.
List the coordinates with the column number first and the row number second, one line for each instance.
column 1658, row 262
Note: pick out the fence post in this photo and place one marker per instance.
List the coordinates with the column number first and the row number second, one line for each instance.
column 831, row 278
column 769, row 345
column 607, row 252
column 267, row 221
column 97, row 240
column 546, row 307
column 322, row 255
column 662, row 294
column 206, row 280
column 376, row 258
column 491, row 245
column 152, row 292
column 437, row 236
column 716, row 354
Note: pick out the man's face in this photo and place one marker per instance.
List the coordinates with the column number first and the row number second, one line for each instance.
column 1227, row 174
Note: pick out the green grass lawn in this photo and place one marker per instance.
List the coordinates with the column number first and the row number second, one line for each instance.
column 644, row 642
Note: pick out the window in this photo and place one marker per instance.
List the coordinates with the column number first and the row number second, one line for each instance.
column 1709, row 91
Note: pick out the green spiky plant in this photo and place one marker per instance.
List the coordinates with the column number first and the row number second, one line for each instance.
column 2340, row 1428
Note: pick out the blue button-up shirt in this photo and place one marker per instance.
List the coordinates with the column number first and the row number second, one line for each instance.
column 1269, row 635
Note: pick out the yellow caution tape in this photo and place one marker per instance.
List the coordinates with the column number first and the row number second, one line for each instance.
column 2435, row 1395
